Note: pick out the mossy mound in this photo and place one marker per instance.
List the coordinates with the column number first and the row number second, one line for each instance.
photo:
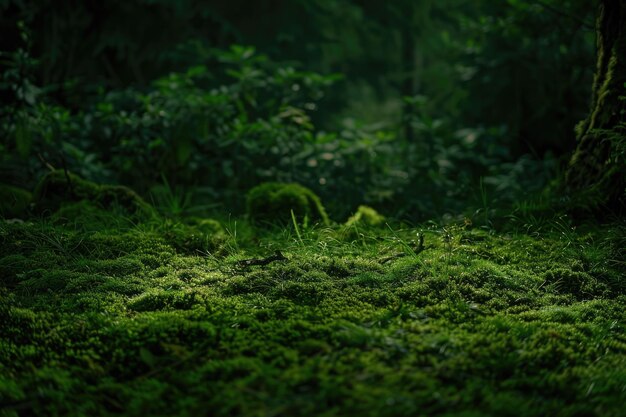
column 207, row 226
column 201, row 236
column 273, row 202
column 580, row 284
column 14, row 201
column 365, row 216
column 58, row 188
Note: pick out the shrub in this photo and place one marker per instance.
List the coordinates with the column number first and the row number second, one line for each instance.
column 273, row 202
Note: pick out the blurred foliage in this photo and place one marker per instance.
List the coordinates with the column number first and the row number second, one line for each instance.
column 440, row 103
column 530, row 64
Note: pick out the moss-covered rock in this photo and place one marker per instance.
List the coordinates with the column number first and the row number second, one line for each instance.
column 90, row 216
column 57, row 188
column 365, row 216
column 206, row 226
column 273, row 202
column 14, row 201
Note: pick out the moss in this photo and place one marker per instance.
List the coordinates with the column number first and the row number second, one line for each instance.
column 119, row 321
column 14, row 201
column 365, row 216
column 56, row 189
column 206, row 236
column 149, row 247
column 206, row 226
column 580, row 284
column 159, row 299
column 118, row 267
column 365, row 219
column 90, row 216
column 11, row 266
column 42, row 280
column 272, row 203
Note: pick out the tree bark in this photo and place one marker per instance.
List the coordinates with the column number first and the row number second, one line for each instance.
column 594, row 178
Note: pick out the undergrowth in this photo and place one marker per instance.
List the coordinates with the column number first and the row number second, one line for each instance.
column 101, row 316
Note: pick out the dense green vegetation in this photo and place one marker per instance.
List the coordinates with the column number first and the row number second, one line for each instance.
column 323, row 94
column 312, row 207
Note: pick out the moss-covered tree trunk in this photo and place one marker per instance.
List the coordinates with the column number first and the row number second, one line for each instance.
column 594, row 176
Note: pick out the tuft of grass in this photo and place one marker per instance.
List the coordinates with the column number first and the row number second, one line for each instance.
column 169, row 201
column 296, row 228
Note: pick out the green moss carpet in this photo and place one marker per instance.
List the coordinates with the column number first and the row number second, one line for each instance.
column 104, row 315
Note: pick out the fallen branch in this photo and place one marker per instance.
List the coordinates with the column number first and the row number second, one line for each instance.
column 246, row 263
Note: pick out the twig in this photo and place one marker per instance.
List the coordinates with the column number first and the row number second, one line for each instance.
column 277, row 256
column 392, row 257
column 45, row 162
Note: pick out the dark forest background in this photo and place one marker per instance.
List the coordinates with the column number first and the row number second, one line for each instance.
column 416, row 108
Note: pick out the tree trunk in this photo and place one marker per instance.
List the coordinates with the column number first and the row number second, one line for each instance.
column 594, row 177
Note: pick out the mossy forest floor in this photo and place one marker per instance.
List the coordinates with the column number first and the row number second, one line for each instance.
column 104, row 315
